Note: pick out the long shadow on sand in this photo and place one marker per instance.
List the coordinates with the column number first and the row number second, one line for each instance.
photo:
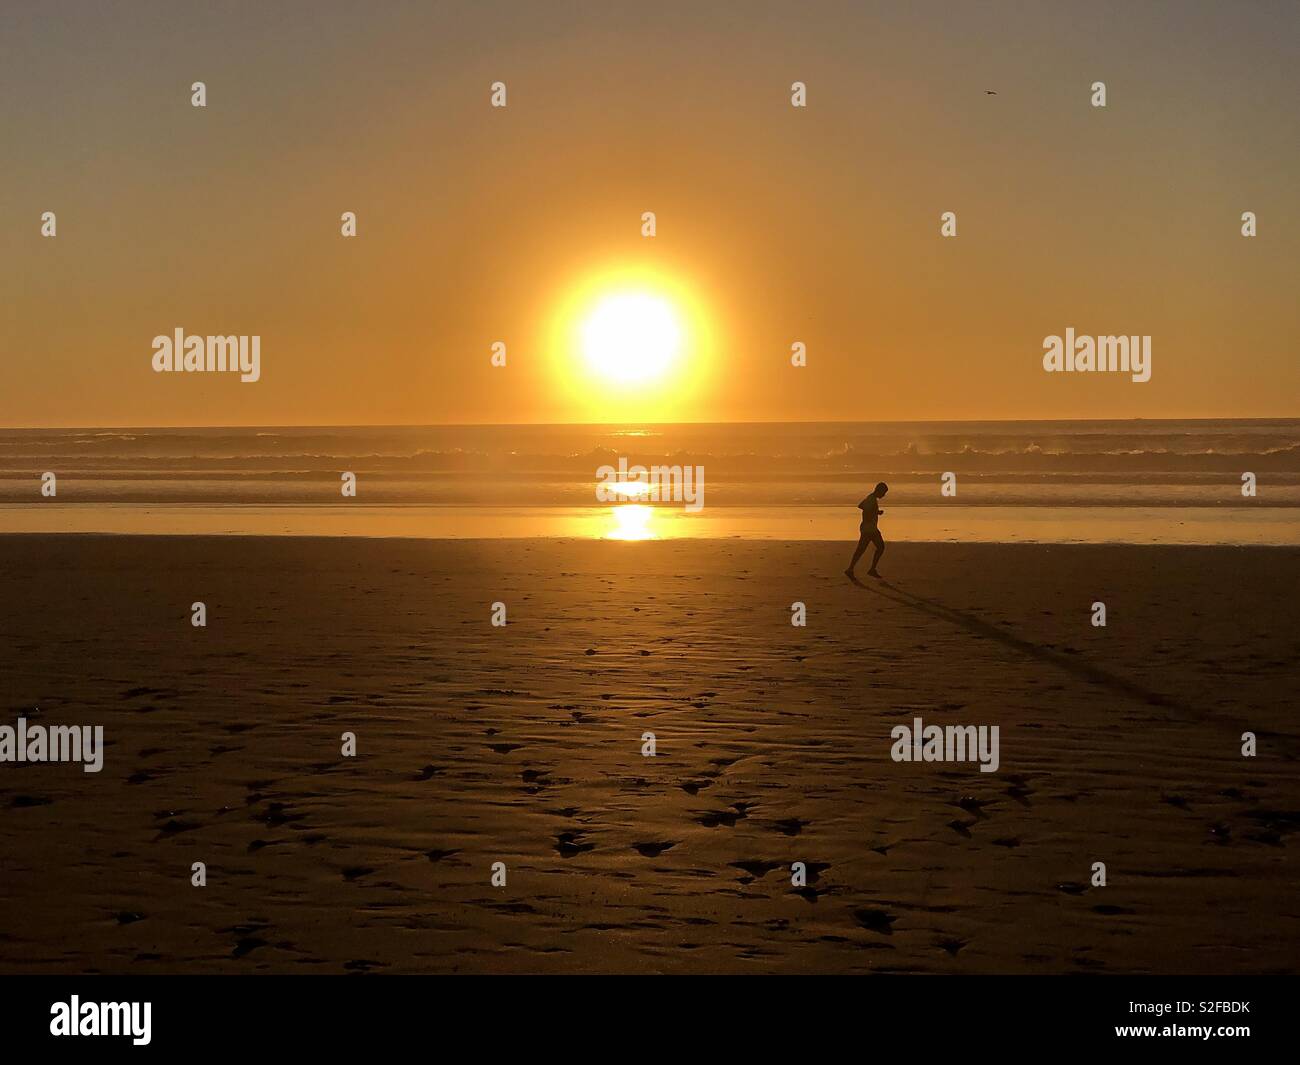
column 1085, row 670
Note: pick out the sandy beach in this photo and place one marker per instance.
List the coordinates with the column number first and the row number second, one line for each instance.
column 522, row 744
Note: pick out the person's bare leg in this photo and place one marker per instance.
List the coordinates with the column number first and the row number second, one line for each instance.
column 880, row 550
column 857, row 554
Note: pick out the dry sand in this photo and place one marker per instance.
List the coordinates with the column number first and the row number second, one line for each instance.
column 523, row 745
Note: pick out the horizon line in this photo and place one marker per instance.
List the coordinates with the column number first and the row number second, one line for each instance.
column 629, row 423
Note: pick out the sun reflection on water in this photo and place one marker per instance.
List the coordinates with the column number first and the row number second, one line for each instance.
column 631, row 521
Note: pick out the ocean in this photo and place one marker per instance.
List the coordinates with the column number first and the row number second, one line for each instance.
column 1058, row 481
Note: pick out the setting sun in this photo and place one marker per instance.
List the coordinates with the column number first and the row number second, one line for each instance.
column 632, row 340
column 631, row 337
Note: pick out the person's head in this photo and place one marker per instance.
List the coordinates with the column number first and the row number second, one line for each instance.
column 881, row 490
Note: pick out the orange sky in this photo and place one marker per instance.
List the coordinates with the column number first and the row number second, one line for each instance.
column 819, row 225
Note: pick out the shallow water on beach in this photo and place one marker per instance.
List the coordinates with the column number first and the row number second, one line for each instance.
column 1265, row 526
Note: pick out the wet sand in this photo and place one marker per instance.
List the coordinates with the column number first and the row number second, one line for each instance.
column 522, row 744
column 1265, row 526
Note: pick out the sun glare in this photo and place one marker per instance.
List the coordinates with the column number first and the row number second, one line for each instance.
column 631, row 342
column 631, row 337
column 631, row 521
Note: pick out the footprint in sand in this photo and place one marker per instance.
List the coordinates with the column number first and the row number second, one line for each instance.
column 1019, row 790
column 756, row 868
column 569, row 844
column 249, row 940
column 813, row 870
column 436, row 855
column 247, row 945
column 972, row 805
column 875, row 921
column 713, row 818
column 653, row 850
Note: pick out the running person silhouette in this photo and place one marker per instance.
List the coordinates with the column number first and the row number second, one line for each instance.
column 870, row 530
